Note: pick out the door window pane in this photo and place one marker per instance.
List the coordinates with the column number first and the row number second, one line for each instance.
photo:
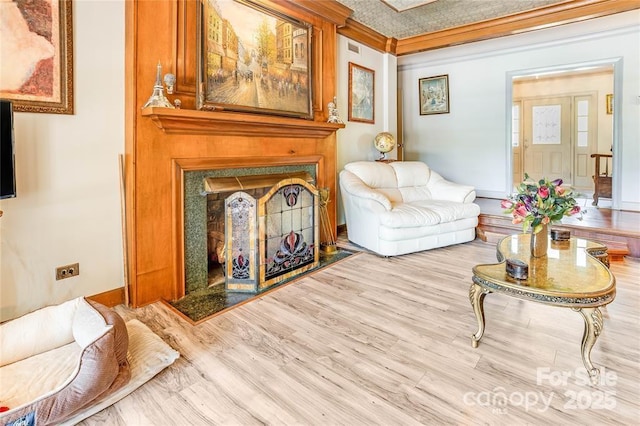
column 582, row 118
column 515, row 125
column 546, row 124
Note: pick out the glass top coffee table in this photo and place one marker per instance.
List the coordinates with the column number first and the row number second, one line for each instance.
column 573, row 274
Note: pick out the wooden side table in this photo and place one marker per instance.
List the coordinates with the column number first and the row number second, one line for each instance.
column 601, row 180
column 572, row 275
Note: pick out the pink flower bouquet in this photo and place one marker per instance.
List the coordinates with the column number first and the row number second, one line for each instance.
column 540, row 203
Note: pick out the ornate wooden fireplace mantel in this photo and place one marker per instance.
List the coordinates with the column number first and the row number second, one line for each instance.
column 162, row 144
column 196, row 122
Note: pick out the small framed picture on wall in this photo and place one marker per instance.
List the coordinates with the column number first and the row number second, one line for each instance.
column 610, row 103
column 433, row 93
column 361, row 94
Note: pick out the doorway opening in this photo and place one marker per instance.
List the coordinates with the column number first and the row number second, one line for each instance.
column 563, row 126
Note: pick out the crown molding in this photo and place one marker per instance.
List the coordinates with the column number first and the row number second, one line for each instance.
column 365, row 35
column 544, row 17
column 329, row 10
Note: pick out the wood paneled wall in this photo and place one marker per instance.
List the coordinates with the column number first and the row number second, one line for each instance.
column 162, row 143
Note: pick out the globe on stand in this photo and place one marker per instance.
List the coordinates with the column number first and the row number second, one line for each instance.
column 384, row 142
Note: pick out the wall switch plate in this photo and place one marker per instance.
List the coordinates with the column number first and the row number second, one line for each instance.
column 67, row 271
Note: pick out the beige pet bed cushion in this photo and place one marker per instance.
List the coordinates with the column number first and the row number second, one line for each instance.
column 57, row 360
column 148, row 356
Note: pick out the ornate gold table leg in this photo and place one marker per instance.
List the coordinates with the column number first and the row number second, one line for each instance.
column 593, row 326
column 476, row 297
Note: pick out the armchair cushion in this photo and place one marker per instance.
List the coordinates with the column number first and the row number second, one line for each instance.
column 427, row 212
column 361, row 190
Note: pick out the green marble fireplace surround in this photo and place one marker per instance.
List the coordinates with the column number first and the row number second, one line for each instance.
column 195, row 216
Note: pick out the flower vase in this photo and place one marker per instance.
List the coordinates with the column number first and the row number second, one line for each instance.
column 540, row 242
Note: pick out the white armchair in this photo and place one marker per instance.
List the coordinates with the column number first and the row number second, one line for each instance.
column 403, row 207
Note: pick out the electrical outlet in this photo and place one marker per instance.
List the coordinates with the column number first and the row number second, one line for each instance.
column 68, row 271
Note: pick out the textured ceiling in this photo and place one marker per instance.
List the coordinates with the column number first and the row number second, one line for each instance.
column 439, row 15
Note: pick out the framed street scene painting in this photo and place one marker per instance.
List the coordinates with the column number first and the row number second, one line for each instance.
column 253, row 59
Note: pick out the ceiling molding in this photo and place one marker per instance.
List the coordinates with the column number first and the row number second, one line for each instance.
column 365, row 35
column 544, row 17
column 331, row 11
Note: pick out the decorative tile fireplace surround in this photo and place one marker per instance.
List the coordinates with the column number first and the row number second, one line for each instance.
column 204, row 220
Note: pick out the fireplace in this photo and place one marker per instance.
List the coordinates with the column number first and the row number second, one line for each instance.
column 209, row 252
column 261, row 229
column 164, row 145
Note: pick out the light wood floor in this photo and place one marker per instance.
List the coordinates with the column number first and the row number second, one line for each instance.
column 386, row 341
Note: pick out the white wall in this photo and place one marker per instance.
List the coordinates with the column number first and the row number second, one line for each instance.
column 68, row 204
column 355, row 141
column 470, row 144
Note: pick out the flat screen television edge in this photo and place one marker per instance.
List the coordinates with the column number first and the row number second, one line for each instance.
column 7, row 152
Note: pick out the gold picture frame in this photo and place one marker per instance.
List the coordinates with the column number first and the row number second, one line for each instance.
column 40, row 78
column 253, row 59
column 610, row 103
column 362, row 106
column 434, row 95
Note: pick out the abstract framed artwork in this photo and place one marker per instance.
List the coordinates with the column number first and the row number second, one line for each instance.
column 434, row 95
column 361, row 94
column 37, row 40
column 253, row 59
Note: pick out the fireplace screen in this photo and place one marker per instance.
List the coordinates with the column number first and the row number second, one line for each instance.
column 273, row 238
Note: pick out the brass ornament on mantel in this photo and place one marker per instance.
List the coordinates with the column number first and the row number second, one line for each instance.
column 333, row 112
